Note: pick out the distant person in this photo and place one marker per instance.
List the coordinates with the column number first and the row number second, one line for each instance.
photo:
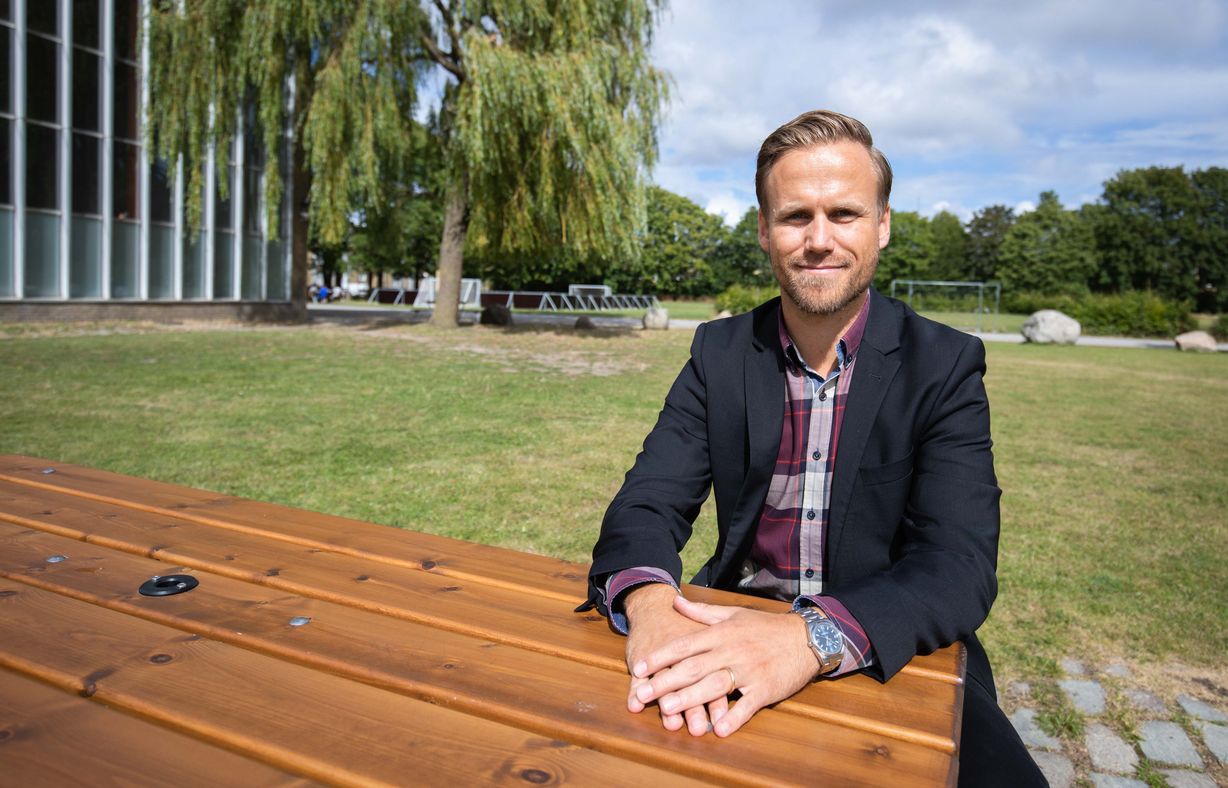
column 322, row 295
column 847, row 443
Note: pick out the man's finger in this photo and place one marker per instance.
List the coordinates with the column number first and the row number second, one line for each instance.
column 737, row 716
column 718, row 708
column 697, row 723
column 703, row 613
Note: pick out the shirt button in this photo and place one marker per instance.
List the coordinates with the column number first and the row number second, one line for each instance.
column 817, row 455
column 822, row 396
column 809, row 573
column 810, row 514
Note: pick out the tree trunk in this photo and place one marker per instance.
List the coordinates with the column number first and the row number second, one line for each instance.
column 300, row 188
column 451, row 259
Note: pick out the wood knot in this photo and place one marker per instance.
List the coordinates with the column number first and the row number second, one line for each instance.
column 363, row 578
column 4, row 594
column 274, row 572
column 161, row 659
column 534, row 776
column 428, row 564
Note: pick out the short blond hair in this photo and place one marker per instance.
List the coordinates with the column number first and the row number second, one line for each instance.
column 822, row 127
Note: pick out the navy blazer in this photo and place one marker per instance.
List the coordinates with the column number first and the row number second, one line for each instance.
column 912, row 539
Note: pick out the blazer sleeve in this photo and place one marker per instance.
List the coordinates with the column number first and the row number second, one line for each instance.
column 650, row 519
column 940, row 577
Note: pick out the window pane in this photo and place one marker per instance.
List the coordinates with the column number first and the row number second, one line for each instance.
column 42, row 75
column 124, row 191
column 251, row 201
column 125, row 237
column 161, row 262
column 126, row 21
column 222, row 208
column 6, row 161
column 43, row 16
column 85, row 258
column 194, row 265
column 253, row 268
column 6, row 253
column 127, row 101
column 223, row 266
column 85, row 23
column 85, row 90
column 6, row 68
column 86, row 194
column 42, row 270
column 277, row 271
column 160, row 197
column 6, row 10
column 42, row 166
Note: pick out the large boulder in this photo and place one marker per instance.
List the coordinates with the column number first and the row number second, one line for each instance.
column 496, row 315
column 656, row 317
column 585, row 323
column 1197, row 341
column 1049, row 326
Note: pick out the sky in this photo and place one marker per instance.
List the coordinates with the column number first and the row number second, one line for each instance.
column 974, row 102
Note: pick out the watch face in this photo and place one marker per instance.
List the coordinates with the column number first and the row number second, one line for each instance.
column 827, row 637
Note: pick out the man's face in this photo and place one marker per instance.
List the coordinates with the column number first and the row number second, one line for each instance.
column 820, row 225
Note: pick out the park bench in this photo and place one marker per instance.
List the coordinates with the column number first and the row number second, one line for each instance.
column 156, row 634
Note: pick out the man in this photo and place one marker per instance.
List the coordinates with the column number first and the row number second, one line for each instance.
column 847, row 444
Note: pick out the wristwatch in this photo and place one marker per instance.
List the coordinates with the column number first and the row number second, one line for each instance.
column 823, row 636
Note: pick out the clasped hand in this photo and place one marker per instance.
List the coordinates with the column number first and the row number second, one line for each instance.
column 687, row 656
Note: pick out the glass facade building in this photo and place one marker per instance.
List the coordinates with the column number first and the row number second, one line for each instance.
column 85, row 214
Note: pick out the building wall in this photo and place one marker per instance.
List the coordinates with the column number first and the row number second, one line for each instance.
column 85, row 215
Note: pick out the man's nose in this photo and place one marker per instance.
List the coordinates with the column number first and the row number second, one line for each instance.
column 819, row 237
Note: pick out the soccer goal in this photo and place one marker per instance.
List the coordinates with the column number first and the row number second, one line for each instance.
column 963, row 305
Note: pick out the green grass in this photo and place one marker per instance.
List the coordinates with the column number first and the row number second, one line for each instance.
column 1112, row 460
column 971, row 321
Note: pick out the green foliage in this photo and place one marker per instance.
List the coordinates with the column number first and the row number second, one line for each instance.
column 743, row 260
column 948, row 243
column 910, row 253
column 986, row 230
column 1048, row 250
column 743, row 298
column 1132, row 314
column 553, row 121
column 1219, row 329
column 681, row 248
column 354, row 69
column 1159, row 228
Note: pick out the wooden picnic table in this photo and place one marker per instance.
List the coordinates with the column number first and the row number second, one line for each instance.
column 318, row 649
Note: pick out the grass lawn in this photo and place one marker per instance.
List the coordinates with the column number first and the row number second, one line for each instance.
column 1113, row 461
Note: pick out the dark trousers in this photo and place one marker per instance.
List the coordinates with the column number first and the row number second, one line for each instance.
column 990, row 750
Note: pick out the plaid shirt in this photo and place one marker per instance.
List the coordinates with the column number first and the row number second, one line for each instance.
column 786, row 558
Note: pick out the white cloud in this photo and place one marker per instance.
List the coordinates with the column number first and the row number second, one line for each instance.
column 975, row 103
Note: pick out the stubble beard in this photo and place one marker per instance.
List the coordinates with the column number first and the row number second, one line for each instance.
column 817, row 297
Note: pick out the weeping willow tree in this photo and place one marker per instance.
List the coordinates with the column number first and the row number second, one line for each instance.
column 546, row 113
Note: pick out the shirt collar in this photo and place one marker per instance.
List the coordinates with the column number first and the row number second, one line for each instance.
column 846, row 348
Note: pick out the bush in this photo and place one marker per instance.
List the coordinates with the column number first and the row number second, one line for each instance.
column 1138, row 313
column 1219, row 329
column 741, row 298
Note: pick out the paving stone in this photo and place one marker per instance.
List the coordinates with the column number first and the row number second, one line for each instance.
column 1086, row 695
column 1167, row 743
column 1117, row 670
column 1073, row 667
column 1199, row 710
column 1145, row 701
column 1116, row 781
column 1024, row 721
column 1216, row 739
column 1058, row 769
column 1108, row 752
column 1180, row 778
column 1021, row 688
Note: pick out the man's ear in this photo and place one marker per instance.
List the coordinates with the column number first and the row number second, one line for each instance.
column 763, row 231
column 884, row 228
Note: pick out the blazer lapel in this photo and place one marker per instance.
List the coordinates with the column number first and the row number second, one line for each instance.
column 763, row 385
column 873, row 371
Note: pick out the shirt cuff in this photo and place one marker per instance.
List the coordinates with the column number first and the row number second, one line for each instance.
column 858, row 652
column 619, row 583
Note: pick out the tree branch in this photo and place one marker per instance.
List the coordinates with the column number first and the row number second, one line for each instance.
column 447, row 60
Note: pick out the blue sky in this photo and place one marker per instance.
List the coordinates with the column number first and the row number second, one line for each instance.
column 974, row 103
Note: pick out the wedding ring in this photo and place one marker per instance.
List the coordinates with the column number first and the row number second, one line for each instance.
column 733, row 682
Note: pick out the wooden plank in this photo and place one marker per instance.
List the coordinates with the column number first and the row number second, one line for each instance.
column 523, row 619
column 51, row 737
column 548, row 695
column 324, row 727
column 477, row 564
